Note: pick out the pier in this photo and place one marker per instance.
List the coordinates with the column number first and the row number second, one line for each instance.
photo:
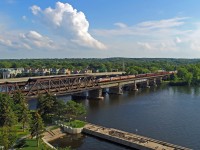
column 129, row 139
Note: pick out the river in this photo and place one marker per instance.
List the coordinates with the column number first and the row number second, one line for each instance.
column 171, row 114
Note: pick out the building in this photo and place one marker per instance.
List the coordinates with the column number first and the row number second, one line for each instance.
column 10, row 72
column 64, row 71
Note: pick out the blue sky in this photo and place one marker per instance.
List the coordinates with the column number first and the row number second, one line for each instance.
column 100, row 28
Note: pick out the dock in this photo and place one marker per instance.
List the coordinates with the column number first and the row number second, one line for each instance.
column 129, row 139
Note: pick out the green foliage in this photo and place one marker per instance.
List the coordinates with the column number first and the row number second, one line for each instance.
column 76, row 124
column 7, row 115
column 36, row 126
column 7, row 136
column 189, row 74
column 50, row 107
column 74, row 110
column 21, row 108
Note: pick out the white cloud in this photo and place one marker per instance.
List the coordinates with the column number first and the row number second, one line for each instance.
column 121, row 25
column 33, row 38
column 145, row 28
column 35, row 9
column 68, row 23
column 167, row 23
column 26, row 41
column 145, row 45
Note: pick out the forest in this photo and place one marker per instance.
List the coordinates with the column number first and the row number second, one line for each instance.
column 188, row 69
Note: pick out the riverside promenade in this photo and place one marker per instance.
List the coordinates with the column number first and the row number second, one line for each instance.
column 129, row 139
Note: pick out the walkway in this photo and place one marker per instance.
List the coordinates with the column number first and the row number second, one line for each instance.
column 129, row 139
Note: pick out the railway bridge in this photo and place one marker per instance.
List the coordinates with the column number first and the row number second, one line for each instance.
column 76, row 85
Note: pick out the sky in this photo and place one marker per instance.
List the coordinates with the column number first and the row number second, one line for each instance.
column 99, row 29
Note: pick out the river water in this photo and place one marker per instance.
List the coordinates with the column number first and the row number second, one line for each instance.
column 170, row 114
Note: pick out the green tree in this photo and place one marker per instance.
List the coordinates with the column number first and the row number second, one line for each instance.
column 182, row 72
column 21, row 108
column 7, row 115
column 74, row 110
column 188, row 78
column 36, row 126
column 8, row 137
column 47, row 106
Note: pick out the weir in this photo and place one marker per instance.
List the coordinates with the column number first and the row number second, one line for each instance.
column 129, row 139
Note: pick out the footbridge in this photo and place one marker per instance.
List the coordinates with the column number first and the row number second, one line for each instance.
column 77, row 84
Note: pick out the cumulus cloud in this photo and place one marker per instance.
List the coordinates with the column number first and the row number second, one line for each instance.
column 68, row 23
column 27, row 41
column 36, row 39
column 35, row 9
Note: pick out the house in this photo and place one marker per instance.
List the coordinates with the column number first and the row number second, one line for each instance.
column 86, row 71
column 10, row 72
column 54, row 71
column 43, row 71
column 64, row 71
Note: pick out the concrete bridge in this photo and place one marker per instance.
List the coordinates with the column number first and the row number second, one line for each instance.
column 76, row 85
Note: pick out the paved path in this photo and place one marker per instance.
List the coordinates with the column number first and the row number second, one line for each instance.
column 129, row 139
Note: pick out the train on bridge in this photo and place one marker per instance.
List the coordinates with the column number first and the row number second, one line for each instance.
column 124, row 77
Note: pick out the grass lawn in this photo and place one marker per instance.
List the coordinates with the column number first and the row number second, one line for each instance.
column 31, row 144
column 76, row 124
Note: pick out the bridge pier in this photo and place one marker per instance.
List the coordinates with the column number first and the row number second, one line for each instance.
column 104, row 90
column 78, row 96
column 160, row 80
column 116, row 90
column 147, row 84
column 154, row 82
column 95, row 94
column 132, row 87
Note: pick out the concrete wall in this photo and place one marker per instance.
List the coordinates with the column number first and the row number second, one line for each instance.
column 72, row 130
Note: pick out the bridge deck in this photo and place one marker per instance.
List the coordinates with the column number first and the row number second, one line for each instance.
column 24, row 79
column 129, row 139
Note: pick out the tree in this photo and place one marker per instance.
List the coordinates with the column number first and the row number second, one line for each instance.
column 188, row 78
column 8, row 137
column 21, row 108
column 74, row 110
column 7, row 116
column 36, row 126
column 182, row 72
column 47, row 106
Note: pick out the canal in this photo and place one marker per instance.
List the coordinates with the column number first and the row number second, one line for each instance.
column 170, row 114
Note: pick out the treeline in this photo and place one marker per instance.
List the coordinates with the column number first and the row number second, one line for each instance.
column 188, row 69
column 140, row 65
column 187, row 74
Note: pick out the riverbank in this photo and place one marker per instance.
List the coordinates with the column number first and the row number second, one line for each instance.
column 178, row 83
column 51, row 135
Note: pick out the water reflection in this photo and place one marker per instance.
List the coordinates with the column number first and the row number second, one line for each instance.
column 166, row 113
column 75, row 141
